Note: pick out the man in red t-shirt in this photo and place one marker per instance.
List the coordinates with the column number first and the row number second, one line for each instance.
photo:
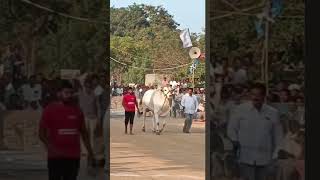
column 61, row 127
column 129, row 104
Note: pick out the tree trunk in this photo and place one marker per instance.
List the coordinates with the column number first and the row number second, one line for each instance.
column 30, row 56
column 33, row 57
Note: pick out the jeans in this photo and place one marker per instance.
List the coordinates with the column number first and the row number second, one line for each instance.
column 187, row 123
column 173, row 111
column 252, row 172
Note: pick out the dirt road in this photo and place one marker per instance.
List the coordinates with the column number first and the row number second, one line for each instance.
column 172, row 155
column 144, row 156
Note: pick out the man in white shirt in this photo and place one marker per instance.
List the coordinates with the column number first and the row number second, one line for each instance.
column 240, row 74
column 190, row 105
column 178, row 100
column 140, row 93
column 255, row 130
column 32, row 93
column 102, row 105
column 118, row 91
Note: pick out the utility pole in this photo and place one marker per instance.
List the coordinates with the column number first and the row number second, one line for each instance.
column 193, row 83
column 266, row 44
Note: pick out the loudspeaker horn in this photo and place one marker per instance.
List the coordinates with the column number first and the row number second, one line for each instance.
column 194, row 53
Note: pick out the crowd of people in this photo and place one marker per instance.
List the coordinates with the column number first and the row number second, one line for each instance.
column 179, row 89
column 274, row 138
column 238, row 75
column 56, row 99
column 184, row 101
column 35, row 92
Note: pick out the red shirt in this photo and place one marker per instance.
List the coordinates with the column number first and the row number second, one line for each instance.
column 63, row 123
column 129, row 101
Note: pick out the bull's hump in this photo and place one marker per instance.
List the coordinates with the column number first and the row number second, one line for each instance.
column 158, row 103
column 147, row 98
column 153, row 99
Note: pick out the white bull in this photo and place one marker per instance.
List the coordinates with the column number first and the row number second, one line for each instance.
column 159, row 103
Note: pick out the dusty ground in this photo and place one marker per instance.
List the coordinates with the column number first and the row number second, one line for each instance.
column 144, row 156
column 172, row 155
column 28, row 161
column 17, row 165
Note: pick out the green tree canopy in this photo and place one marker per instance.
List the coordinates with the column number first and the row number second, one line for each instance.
column 147, row 37
column 51, row 42
column 234, row 36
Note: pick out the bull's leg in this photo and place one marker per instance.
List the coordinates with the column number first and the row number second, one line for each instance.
column 156, row 117
column 164, row 124
column 144, row 119
column 153, row 123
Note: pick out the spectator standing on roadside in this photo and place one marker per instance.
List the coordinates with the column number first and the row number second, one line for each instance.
column 61, row 128
column 32, row 93
column 89, row 106
column 255, row 130
column 102, row 105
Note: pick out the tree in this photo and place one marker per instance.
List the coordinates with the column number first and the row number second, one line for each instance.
column 235, row 36
column 52, row 42
column 148, row 38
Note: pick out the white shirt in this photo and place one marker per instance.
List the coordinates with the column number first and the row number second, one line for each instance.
column 9, row 87
column 32, row 93
column 218, row 70
column 185, row 85
column 118, row 90
column 240, row 76
column 201, row 107
column 98, row 90
column 190, row 103
column 259, row 133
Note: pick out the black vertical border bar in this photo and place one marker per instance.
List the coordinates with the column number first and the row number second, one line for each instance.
column 108, row 89
column 307, row 76
column 207, row 93
column 311, row 87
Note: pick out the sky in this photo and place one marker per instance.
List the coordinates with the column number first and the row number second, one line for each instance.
column 188, row 13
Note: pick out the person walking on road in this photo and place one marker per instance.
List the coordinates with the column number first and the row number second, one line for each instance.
column 190, row 105
column 129, row 104
column 61, row 127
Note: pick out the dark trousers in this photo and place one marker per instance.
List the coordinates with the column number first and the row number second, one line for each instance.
column 252, row 172
column 63, row 169
column 187, row 123
column 129, row 117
